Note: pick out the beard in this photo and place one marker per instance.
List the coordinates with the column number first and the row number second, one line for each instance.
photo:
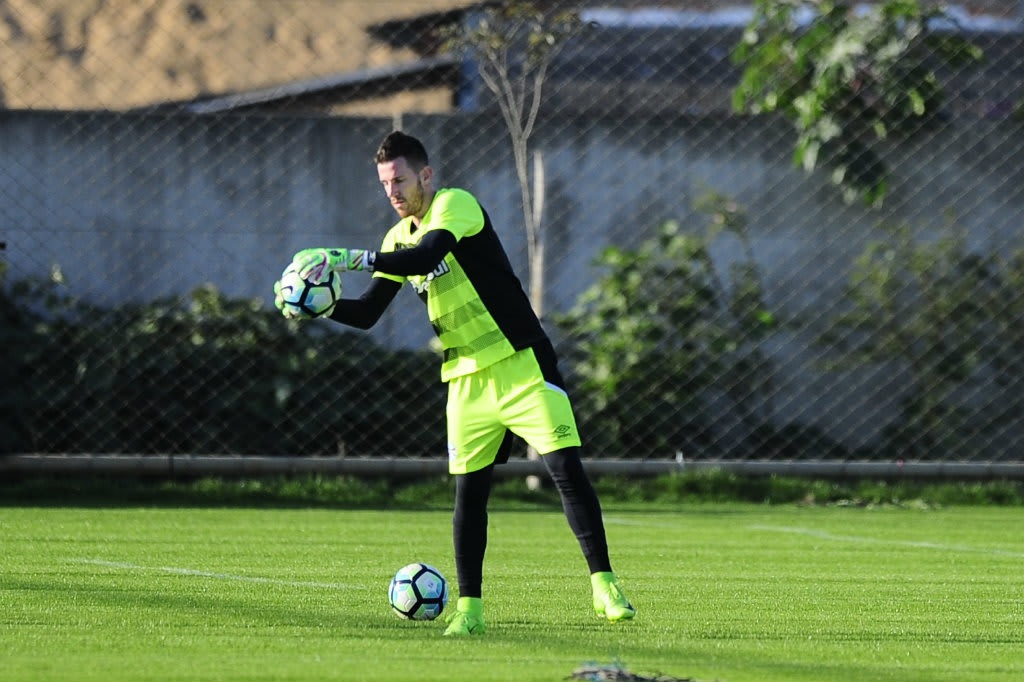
column 412, row 203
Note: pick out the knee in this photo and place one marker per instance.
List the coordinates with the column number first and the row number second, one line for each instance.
column 472, row 490
column 564, row 465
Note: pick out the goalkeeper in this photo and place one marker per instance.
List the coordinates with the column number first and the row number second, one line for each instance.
column 498, row 362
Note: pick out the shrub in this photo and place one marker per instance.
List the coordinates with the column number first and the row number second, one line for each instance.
column 204, row 374
column 660, row 336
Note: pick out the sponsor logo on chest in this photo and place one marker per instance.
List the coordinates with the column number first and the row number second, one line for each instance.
column 422, row 284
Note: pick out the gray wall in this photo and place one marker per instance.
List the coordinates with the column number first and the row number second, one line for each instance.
column 132, row 207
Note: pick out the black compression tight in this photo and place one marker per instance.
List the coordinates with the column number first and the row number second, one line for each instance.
column 580, row 502
column 582, row 508
column 469, row 528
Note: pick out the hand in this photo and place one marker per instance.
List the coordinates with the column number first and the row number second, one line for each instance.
column 291, row 312
column 316, row 265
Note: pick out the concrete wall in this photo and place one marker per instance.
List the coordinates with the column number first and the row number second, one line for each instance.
column 132, row 207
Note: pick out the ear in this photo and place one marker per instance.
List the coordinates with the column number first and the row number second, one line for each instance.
column 427, row 175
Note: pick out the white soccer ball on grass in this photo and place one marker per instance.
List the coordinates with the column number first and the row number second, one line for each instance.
column 418, row 592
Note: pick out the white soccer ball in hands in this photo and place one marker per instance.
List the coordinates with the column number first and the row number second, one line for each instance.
column 305, row 298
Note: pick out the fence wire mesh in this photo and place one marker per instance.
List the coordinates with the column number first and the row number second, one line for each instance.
column 161, row 160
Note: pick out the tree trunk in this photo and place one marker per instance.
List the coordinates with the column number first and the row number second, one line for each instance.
column 535, row 235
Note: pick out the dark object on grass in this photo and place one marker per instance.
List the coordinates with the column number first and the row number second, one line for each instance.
column 617, row 672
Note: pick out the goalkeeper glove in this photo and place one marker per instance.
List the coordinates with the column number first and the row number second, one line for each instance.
column 316, row 265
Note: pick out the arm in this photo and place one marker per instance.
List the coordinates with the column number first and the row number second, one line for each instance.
column 421, row 259
column 316, row 264
column 363, row 312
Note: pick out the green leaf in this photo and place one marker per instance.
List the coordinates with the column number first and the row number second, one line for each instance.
column 917, row 102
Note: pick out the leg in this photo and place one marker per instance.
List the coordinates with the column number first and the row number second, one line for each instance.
column 469, row 533
column 469, row 528
column 583, row 510
column 581, row 505
column 475, row 440
column 542, row 415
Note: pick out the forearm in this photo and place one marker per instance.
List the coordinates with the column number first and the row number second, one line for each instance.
column 363, row 312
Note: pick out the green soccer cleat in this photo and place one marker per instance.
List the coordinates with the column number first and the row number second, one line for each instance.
column 467, row 619
column 609, row 602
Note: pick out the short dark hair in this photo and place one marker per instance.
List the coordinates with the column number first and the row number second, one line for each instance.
column 397, row 145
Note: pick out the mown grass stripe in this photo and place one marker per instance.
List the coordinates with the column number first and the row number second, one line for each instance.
column 219, row 576
column 824, row 535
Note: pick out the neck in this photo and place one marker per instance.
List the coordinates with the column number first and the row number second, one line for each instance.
column 428, row 199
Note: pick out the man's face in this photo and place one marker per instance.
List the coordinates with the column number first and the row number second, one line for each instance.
column 408, row 191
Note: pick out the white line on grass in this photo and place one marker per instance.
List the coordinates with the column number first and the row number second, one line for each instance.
column 642, row 524
column 879, row 541
column 219, row 576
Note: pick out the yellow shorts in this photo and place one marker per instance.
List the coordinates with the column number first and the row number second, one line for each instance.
column 510, row 395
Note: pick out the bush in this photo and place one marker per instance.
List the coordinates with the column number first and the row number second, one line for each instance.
column 660, row 343
column 951, row 318
column 204, row 374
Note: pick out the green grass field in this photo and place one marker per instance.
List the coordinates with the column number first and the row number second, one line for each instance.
column 726, row 592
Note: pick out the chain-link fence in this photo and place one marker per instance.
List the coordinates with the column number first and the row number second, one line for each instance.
column 161, row 160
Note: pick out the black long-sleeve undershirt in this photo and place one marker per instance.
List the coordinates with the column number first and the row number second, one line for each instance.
column 363, row 312
column 420, row 259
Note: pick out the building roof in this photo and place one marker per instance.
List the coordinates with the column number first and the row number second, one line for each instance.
column 324, row 92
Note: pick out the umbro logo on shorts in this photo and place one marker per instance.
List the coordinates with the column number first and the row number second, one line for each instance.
column 563, row 431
